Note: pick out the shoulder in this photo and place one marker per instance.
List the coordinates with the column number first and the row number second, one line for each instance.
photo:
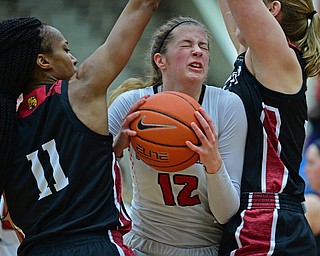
column 131, row 96
column 222, row 97
column 136, row 93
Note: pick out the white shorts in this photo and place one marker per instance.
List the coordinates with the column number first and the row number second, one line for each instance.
column 142, row 246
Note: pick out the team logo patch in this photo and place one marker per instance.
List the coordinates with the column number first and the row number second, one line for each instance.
column 32, row 102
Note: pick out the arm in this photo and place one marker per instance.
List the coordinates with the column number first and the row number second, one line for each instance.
column 223, row 156
column 224, row 186
column 269, row 58
column 104, row 65
column 231, row 26
column 122, row 111
column 87, row 88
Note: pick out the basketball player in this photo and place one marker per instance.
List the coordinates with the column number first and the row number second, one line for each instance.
column 278, row 44
column 63, row 188
column 9, row 239
column 182, row 213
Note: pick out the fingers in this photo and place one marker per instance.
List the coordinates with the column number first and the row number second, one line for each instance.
column 133, row 113
column 205, row 132
column 130, row 117
column 208, row 132
column 205, row 120
column 138, row 104
column 208, row 150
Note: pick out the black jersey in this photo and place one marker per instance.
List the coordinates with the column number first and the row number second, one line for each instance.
column 64, row 172
column 272, row 189
column 276, row 133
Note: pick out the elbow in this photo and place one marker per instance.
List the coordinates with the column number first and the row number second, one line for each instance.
column 233, row 209
column 154, row 4
column 150, row 5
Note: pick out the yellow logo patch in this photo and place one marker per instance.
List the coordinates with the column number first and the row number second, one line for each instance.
column 32, row 102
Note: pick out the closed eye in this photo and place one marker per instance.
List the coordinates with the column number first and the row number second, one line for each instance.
column 204, row 46
column 186, row 44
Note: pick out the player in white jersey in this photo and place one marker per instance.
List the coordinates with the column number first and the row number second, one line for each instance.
column 9, row 240
column 182, row 213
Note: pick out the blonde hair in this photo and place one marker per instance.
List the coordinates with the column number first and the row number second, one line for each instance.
column 301, row 25
column 159, row 44
column 127, row 85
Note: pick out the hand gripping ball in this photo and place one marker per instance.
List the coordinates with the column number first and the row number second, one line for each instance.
column 162, row 130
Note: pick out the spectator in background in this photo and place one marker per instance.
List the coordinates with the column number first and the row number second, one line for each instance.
column 313, row 127
column 312, row 171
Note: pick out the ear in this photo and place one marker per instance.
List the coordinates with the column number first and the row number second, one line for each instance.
column 274, row 7
column 43, row 62
column 159, row 60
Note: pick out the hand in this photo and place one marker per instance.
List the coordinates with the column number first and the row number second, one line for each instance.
column 122, row 139
column 208, row 150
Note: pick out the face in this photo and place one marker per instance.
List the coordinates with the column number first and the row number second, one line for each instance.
column 187, row 58
column 62, row 62
column 312, row 168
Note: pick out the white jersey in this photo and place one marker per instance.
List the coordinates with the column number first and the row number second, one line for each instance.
column 9, row 241
column 183, row 209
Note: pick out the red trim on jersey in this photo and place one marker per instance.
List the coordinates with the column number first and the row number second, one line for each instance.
column 126, row 225
column 274, row 167
column 35, row 98
column 256, row 233
column 294, row 47
column 125, row 221
column 7, row 225
column 118, row 240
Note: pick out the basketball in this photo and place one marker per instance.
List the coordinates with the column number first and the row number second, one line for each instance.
column 162, row 130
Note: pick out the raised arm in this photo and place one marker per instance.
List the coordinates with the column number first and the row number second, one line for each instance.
column 87, row 88
column 101, row 68
column 231, row 26
column 269, row 57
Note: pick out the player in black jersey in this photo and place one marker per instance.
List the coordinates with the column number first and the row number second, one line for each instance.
column 278, row 44
column 58, row 169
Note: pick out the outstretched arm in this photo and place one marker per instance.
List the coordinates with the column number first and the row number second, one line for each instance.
column 87, row 88
column 269, row 58
column 231, row 26
column 104, row 65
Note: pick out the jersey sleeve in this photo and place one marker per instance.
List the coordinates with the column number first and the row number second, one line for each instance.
column 224, row 186
column 119, row 109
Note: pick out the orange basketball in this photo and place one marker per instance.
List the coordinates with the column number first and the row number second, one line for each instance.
column 162, row 130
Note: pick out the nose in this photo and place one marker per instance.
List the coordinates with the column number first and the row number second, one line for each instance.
column 197, row 51
column 74, row 59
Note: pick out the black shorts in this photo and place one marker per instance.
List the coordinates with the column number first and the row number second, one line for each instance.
column 268, row 228
column 93, row 244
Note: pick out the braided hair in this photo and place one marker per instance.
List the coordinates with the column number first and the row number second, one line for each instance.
column 19, row 46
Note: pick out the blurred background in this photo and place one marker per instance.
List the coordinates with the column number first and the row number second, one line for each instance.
column 86, row 24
